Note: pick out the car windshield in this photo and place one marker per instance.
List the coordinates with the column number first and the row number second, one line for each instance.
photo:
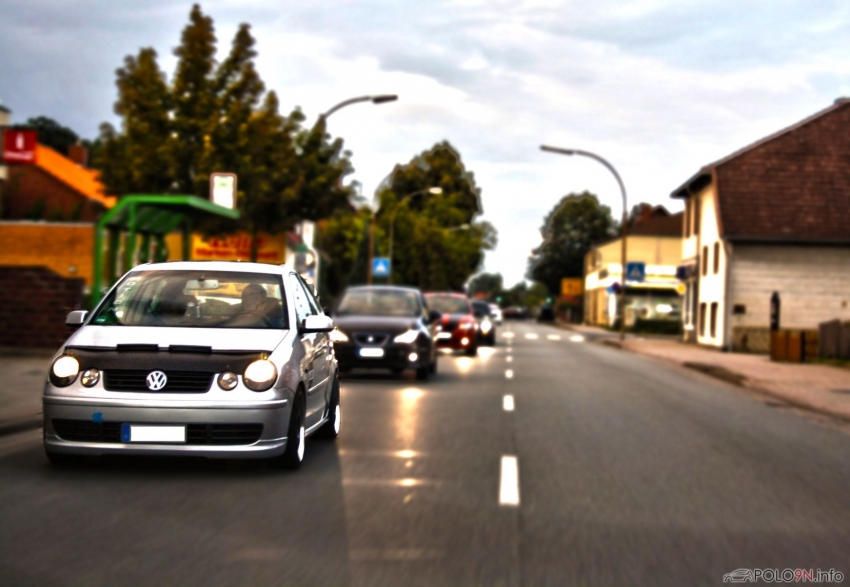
column 449, row 304
column 374, row 302
column 482, row 308
column 195, row 299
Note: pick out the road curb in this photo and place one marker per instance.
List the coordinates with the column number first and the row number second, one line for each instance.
column 19, row 425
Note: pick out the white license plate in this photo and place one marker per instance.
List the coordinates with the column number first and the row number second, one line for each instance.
column 372, row 353
column 133, row 433
column 444, row 335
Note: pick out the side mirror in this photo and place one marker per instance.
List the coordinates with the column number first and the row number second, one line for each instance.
column 76, row 318
column 434, row 316
column 317, row 323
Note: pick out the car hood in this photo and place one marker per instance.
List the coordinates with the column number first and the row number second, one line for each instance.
column 218, row 339
column 388, row 324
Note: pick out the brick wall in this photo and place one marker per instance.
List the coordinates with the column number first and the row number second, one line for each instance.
column 28, row 185
column 34, row 302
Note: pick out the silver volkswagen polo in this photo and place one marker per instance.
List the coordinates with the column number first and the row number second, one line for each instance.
column 212, row 359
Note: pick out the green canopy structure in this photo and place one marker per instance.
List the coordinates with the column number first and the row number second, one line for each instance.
column 152, row 217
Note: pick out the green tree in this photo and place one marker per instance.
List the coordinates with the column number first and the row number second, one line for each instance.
column 576, row 223
column 218, row 117
column 437, row 243
column 194, row 101
column 51, row 133
column 489, row 284
column 340, row 238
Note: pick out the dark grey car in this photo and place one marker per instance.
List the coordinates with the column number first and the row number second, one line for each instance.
column 383, row 327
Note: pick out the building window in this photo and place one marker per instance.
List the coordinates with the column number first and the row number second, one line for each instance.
column 705, row 260
column 713, row 319
column 716, row 258
column 702, row 319
column 696, row 215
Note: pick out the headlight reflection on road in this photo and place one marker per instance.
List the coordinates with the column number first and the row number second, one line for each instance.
column 407, row 417
column 485, row 352
column 464, row 364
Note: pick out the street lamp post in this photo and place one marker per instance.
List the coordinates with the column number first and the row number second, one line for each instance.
column 436, row 191
column 378, row 99
column 624, row 223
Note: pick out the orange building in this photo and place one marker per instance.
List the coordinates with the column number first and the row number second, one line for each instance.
column 54, row 188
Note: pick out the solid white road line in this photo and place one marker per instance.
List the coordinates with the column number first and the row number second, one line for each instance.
column 508, row 403
column 531, row 336
column 509, row 482
column 509, row 374
column 553, row 337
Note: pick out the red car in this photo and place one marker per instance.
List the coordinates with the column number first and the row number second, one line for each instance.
column 458, row 326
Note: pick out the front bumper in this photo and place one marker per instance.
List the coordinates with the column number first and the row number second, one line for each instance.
column 456, row 341
column 396, row 356
column 90, row 424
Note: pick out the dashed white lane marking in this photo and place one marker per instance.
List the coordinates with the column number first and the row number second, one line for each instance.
column 508, row 334
column 510, row 359
column 509, row 482
column 577, row 338
column 531, row 336
column 509, row 374
column 553, row 337
column 508, row 403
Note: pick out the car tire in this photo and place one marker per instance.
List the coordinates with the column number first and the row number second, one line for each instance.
column 422, row 373
column 397, row 371
column 331, row 428
column 293, row 456
column 432, row 368
column 472, row 351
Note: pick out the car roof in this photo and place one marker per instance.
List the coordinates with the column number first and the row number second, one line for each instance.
column 384, row 288
column 236, row 266
column 447, row 294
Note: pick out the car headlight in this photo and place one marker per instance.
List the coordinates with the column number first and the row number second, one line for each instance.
column 407, row 337
column 64, row 371
column 260, row 375
column 228, row 381
column 90, row 377
column 486, row 325
column 466, row 325
column 338, row 335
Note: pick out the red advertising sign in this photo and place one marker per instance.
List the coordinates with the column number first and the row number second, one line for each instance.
column 19, row 146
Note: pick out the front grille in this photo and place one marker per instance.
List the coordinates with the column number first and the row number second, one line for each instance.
column 376, row 338
column 87, row 431
column 178, row 381
column 223, row 433
column 196, row 434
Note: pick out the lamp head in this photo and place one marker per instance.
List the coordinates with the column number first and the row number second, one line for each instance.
column 384, row 98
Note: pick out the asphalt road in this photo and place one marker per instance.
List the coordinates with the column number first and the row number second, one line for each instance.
column 627, row 473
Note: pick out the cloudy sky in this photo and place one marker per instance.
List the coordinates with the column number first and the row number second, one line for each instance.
column 658, row 87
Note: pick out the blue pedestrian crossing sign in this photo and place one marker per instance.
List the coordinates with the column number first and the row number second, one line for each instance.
column 381, row 267
column 636, row 271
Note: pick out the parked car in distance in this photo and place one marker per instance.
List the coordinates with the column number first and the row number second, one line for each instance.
column 486, row 324
column 496, row 312
column 211, row 359
column 458, row 325
column 516, row 313
column 385, row 327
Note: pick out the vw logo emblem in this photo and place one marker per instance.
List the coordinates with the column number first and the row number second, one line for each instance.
column 156, row 380
column 371, row 339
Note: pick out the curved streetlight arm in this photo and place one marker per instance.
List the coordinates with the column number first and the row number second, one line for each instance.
column 379, row 99
column 616, row 175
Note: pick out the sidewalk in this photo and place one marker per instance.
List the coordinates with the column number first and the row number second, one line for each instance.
column 24, row 375
column 820, row 388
